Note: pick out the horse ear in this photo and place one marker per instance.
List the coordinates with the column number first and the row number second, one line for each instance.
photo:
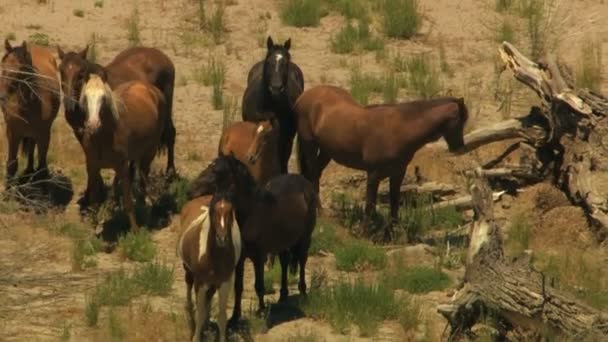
column 269, row 43
column 60, row 52
column 84, row 52
column 7, row 46
column 287, row 44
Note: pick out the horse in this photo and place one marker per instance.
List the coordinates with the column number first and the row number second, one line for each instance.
column 30, row 100
column 253, row 144
column 136, row 63
column 209, row 247
column 121, row 125
column 277, row 218
column 273, row 85
column 378, row 139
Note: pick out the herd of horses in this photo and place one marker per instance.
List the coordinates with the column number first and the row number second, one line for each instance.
column 245, row 203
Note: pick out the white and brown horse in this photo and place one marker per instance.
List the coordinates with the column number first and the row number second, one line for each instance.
column 209, row 247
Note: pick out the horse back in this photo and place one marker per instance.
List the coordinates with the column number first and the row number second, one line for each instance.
column 140, row 105
column 141, row 63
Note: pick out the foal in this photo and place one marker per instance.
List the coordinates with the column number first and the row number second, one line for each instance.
column 379, row 139
column 209, row 247
column 29, row 99
column 121, row 126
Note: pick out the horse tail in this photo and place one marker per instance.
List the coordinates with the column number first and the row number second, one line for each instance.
column 26, row 145
column 463, row 111
column 203, row 184
column 166, row 84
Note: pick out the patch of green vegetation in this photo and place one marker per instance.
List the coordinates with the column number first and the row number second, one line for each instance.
column 137, row 246
column 213, row 74
column 38, row 38
column 359, row 255
column 83, row 253
column 92, row 52
column 115, row 328
column 355, row 38
column 365, row 305
column 217, row 24
column 351, row 9
column 520, row 232
column 505, row 32
column 324, row 238
column 362, row 85
column 10, row 36
column 423, row 78
column 503, row 5
column 401, row 18
column 133, row 30
column 178, row 190
column 304, row 336
column 589, row 71
column 230, row 111
column 301, row 13
column 154, row 278
column 78, row 13
column 66, row 332
column 99, row 3
column 416, row 279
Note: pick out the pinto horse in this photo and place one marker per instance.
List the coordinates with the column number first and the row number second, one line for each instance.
column 209, row 247
column 277, row 218
column 273, row 86
column 29, row 99
column 121, row 126
column 133, row 64
column 378, row 139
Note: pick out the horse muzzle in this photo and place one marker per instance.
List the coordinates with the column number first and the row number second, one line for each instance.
column 221, row 241
column 276, row 91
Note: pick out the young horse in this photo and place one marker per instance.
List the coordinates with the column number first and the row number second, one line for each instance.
column 278, row 218
column 209, row 247
column 273, row 86
column 137, row 63
column 254, row 145
column 121, row 126
column 29, row 98
column 380, row 139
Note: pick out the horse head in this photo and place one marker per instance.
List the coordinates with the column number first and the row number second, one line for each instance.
column 453, row 130
column 95, row 93
column 260, row 140
column 221, row 215
column 276, row 67
column 17, row 69
column 73, row 70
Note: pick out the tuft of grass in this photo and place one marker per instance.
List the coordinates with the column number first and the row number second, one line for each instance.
column 359, row 255
column 91, row 310
column 230, row 111
column 364, row 305
column 213, row 74
column 417, row 279
column 116, row 330
column 324, row 238
column 301, row 13
column 351, row 9
column 78, row 13
column 83, row 252
column 362, row 85
column 390, row 91
column 401, row 18
column 520, row 233
column 503, row 5
column 39, row 39
column 589, row 71
column 202, row 17
column 178, row 189
column 117, row 289
column 355, row 38
column 217, row 24
column 505, row 32
column 154, row 278
column 307, row 336
column 99, row 3
column 92, row 52
column 133, row 30
column 137, row 246
column 423, row 78
column 66, row 332
column 10, row 36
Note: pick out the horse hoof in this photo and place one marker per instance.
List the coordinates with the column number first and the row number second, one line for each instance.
column 233, row 322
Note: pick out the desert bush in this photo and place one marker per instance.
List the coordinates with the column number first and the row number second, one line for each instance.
column 116, row 330
column 10, row 36
column 416, row 279
column 505, row 32
column 83, row 252
column 39, row 38
column 133, row 30
column 520, row 232
column 78, row 13
column 589, row 71
column 503, row 5
column 99, row 3
column 178, row 190
column 154, row 278
column 217, row 24
column 213, row 74
column 137, row 246
column 423, row 78
column 359, row 255
column 324, row 238
column 350, row 9
column 357, row 37
column 92, row 52
column 301, row 13
column 401, row 18
column 230, row 111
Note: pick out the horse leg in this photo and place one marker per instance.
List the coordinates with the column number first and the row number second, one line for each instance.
column 303, row 258
column 201, row 313
column 189, row 283
column 258, row 267
column 238, row 291
column 285, row 147
column 29, row 146
column 223, row 303
column 43, row 148
column 394, row 193
column 170, row 149
column 373, row 181
column 127, row 200
column 323, row 160
column 12, row 162
column 284, row 258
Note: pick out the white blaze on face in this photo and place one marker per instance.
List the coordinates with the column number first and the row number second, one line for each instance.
column 94, row 93
column 278, row 58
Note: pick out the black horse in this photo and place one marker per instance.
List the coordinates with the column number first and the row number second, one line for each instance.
column 273, row 86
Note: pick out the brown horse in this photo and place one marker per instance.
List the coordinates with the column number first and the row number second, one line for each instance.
column 30, row 99
column 209, row 247
column 379, row 139
column 254, row 145
column 120, row 126
column 137, row 63
column 278, row 218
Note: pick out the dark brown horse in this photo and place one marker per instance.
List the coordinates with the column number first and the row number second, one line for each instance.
column 379, row 139
column 30, row 99
column 253, row 144
column 137, row 63
column 209, row 247
column 273, row 86
column 121, row 126
column 278, row 218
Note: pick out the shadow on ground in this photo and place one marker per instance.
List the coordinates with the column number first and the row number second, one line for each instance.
column 34, row 192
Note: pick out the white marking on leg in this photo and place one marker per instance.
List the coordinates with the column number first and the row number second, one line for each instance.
column 223, row 304
column 236, row 240
column 201, row 312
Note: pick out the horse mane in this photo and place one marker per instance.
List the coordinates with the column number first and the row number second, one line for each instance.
column 96, row 83
column 226, row 166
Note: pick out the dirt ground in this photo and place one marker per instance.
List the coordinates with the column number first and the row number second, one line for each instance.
column 40, row 294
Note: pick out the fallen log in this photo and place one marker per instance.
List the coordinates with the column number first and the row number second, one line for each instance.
column 464, row 202
column 518, row 296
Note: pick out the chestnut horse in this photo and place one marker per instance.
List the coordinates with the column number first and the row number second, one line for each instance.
column 379, row 139
column 273, row 86
column 209, row 247
column 136, row 63
column 30, row 99
column 253, row 144
column 277, row 218
column 120, row 126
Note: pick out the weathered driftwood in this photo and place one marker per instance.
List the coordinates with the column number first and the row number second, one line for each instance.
column 518, row 296
column 464, row 202
column 435, row 189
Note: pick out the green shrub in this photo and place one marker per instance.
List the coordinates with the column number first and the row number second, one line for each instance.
column 589, row 73
column 324, row 238
column 401, row 18
column 154, row 278
column 38, row 38
column 133, row 31
column 301, row 13
column 137, row 246
column 359, row 255
column 423, row 78
column 78, row 13
column 354, row 38
column 417, row 279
